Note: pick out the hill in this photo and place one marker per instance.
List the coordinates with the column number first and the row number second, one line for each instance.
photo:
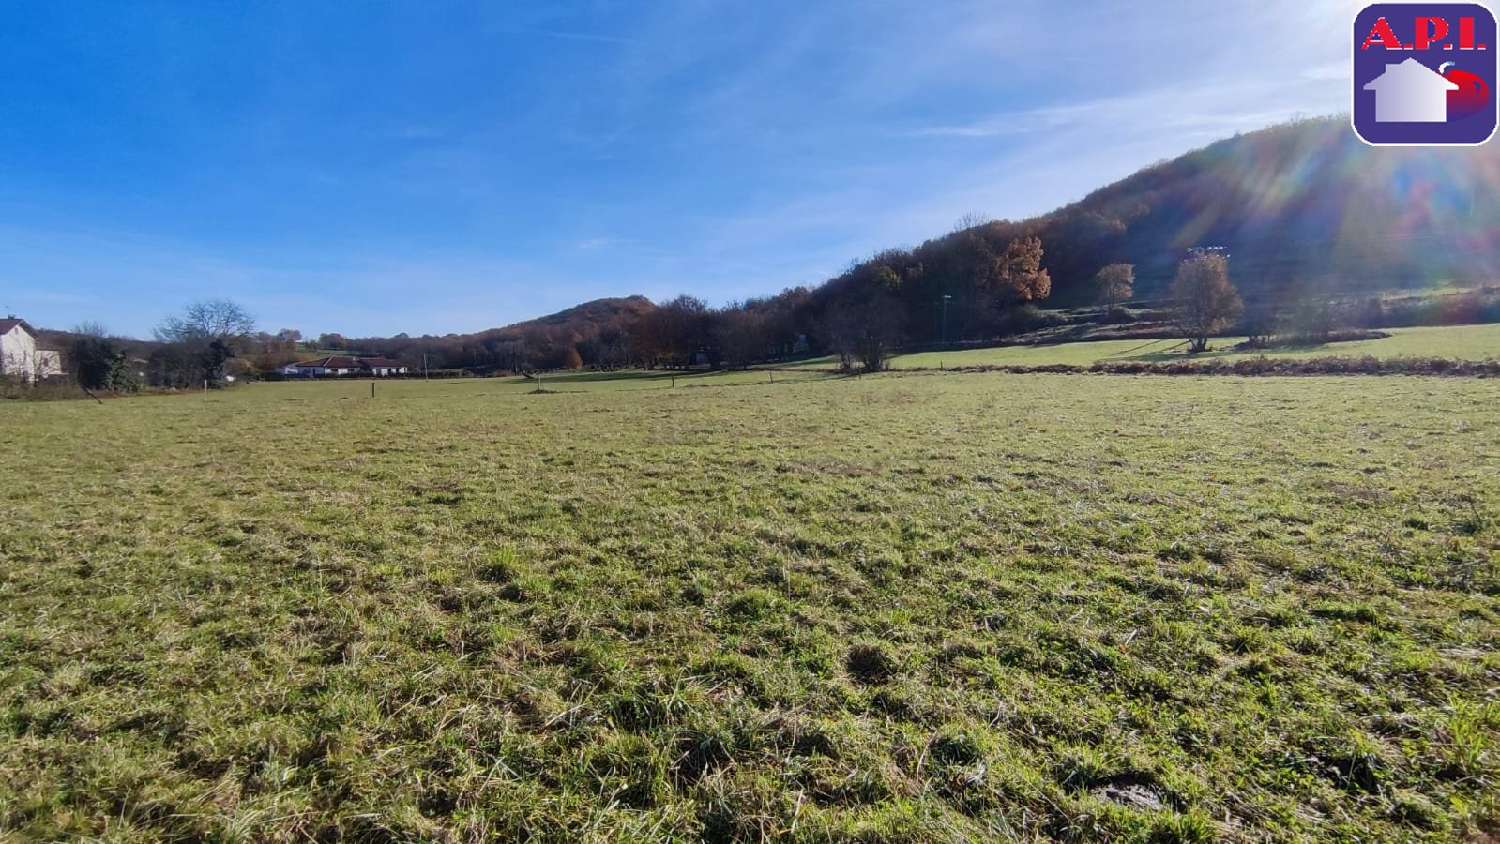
column 592, row 313
column 597, row 329
column 1303, row 206
column 1300, row 206
column 1300, row 203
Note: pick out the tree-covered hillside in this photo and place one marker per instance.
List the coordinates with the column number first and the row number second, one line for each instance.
column 1296, row 204
column 1298, row 208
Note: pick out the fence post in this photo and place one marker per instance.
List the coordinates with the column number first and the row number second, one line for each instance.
column 372, row 389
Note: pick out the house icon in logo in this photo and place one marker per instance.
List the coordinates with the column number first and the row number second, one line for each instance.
column 1410, row 92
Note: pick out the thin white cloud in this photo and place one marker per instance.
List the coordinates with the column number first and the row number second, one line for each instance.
column 565, row 35
column 591, row 244
column 1340, row 71
column 1212, row 102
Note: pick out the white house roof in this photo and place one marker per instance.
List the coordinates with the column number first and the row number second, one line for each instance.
column 1408, row 73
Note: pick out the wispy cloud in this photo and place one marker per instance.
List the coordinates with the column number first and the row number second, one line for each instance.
column 564, row 35
column 420, row 133
column 591, row 244
column 1219, row 102
column 1340, row 71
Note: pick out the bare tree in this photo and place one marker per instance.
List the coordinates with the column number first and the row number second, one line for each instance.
column 1206, row 300
column 742, row 335
column 213, row 319
column 866, row 332
column 842, row 328
column 200, row 341
column 971, row 220
column 1115, row 282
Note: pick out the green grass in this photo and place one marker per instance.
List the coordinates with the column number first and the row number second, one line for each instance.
column 915, row 607
column 552, row 382
column 1076, row 354
column 1460, row 342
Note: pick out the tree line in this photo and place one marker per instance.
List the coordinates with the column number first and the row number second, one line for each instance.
column 969, row 285
column 980, row 283
column 973, row 284
column 964, row 286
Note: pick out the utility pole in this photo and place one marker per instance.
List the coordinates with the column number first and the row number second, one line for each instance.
column 945, row 301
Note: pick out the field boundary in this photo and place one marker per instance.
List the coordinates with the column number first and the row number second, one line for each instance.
column 1252, row 367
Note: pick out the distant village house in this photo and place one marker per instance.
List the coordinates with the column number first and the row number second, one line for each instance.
column 19, row 355
column 345, row 365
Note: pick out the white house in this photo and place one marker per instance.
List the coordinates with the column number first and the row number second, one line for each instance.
column 1410, row 92
column 338, row 365
column 19, row 355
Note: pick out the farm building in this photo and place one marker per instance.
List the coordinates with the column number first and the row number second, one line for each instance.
column 341, row 365
column 19, row 355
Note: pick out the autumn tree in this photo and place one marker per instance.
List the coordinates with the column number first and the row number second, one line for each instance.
column 646, row 341
column 675, row 332
column 1206, row 300
column 1018, row 275
column 608, row 349
column 1115, row 283
column 742, row 335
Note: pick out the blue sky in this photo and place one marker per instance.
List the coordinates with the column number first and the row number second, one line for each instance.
column 371, row 168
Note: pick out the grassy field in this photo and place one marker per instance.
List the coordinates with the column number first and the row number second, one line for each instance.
column 922, row 607
column 553, row 382
column 1461, row 342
